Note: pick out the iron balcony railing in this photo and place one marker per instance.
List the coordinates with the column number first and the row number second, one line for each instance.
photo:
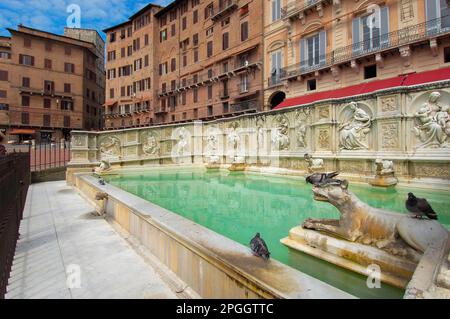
column 394, row 39
column 224, row 7
column 244, row 106
column 295, row 7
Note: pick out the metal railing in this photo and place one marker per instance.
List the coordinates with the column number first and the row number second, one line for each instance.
column 248, row 105
column 394, row 39
column 49, row 155
column 14, row 182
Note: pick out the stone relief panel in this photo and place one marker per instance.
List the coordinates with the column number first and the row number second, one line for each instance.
column 79, row 140
column 352, row 167
column 212, row 137
column 110, row 146
column 92, row 141
column 323, row 113
column 183, row 142
column 280, row 133
column 389, row 136
column 150, row 143
column 389, row 104
column 131, row 136
column 323, row 139
column 432, row 120
column 233, row 139
column 355, row 126
column 437, row 170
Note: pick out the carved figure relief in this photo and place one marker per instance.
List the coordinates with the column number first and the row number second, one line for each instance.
column 280, row 138
column 182, row 146
column 389, row 136
column 433, row 123
column 110, row 146
column 233, row 139
column 150, row 144
column 388, row 104
column 260, row 120
column 354, row 129
column 78, row 140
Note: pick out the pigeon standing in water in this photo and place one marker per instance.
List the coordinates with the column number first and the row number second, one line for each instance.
column 259, row 247
column 320, row 178
column 420, row 207
column 101, row 181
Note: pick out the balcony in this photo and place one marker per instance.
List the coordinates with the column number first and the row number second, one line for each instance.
column 274, row 80
column 299, row 8
column 401, row 39
column 160, row 110
column 248, row 106
column 225, row 7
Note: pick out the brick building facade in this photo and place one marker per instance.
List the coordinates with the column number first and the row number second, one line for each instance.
column 49, row 85
column 191, row 60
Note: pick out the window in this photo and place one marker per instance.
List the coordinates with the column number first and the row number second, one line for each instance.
column 47, row 63
column 195, row 113
column 173, row 64
column 122, row 91
column 3, row 75
column 173, row 85
column 209, row 31
column 183, row 98
column 368, row 34
column 209, row 11
column 3, row 94
column 122, row 34
column 184, row 115
column 111, row 93
column 146, row 61
column 47, row 103
column 184, row 23
column 184, row 7
column 195, row 95
column 244, row 83
column 184, row 60
column 225, row 22
column 46, row 120
column 370, row 71
column 146, row 40
column 195, row 16
column 195, row 3
column 25, row 100
column 26, row 59
column 112, row 37
column 26, row 82
column 163, row 35
column 225, row 89
column 195, row 39
column 125, row 70
column 122, row 53
column 136, row 44
column 67, row 88
column 275, row 68
column 225, row 67
column 163, row 21
column 69, row 67
column 225, row 107
column 195, row 55
column 163, row 68
column 137, row 64
column 111, row 55
column 4, row 107
column 172, row 30
column 311, row 85
column 209, row 49
column 49, row 87
column 27, row 42
column 313, row 51
column 276, row 10
column 5, row 55
column 447, row 55
column 25, row 118
column 129, row 31
column 210, row 110
column 173, row 15
column 225, row 41
column 244, row 31
column 66, row 105
column 210, row 73
column 438, row 16
column 66, row 121
column 210, row 92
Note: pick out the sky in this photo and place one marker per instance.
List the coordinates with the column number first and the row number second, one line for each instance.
column 51, row 15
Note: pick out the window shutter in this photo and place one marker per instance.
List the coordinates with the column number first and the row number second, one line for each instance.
column 302, row 54
column 355, row 35
column 384, row 32
column 32, row 60
column 322, row 47
column 20, row 58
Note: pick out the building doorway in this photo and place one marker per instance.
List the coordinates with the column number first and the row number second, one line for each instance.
column 276, row 99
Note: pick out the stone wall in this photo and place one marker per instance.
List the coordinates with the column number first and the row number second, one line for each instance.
column 409, row 126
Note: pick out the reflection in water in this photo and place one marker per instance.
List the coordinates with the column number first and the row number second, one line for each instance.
column 238, row 205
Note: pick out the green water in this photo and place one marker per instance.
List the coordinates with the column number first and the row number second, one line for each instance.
column 238, row 205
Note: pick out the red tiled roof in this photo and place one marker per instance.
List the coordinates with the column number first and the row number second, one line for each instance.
column 369, row 87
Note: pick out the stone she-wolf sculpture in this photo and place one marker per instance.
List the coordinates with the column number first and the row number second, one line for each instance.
column 411, row 253
column 396, row 233
column 104, row 167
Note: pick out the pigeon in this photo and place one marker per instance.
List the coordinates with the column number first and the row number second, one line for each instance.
column 101, row 181
column 321, row 178
column 420, row 207
column 259, row 247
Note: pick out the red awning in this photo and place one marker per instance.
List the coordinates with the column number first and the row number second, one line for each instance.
column 369, row 87
column 17, row 131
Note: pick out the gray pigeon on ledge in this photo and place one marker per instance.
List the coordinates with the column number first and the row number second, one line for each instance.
column 321, row 178
column 259, row 247
column 420, row 207
column 101, row 181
